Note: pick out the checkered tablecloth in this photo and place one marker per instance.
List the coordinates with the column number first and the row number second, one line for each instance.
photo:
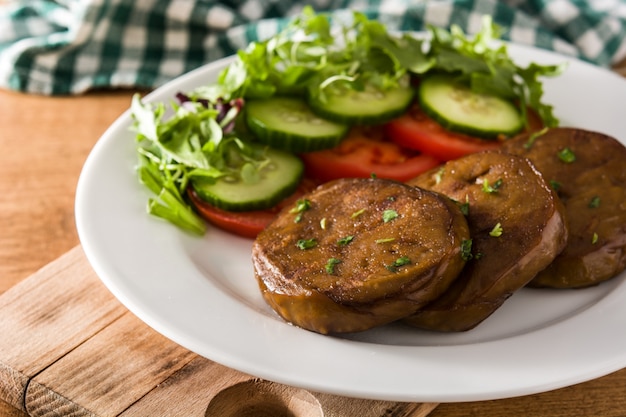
column 71, row 46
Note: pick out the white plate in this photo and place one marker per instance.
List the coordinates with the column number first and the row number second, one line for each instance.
column 201, row 293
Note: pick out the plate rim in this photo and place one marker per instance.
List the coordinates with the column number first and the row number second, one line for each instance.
column 107, row 273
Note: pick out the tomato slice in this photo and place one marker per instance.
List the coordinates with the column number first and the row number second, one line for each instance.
column 366, row 152
column 416, row 130
column 245, row 223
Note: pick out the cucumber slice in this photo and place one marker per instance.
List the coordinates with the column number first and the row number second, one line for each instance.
column 368, row 107
column 458, row 108
column 289, row 124
column 278, row 180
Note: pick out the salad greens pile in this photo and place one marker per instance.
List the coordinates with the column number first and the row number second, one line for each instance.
column 196, row 142
column 198, row 136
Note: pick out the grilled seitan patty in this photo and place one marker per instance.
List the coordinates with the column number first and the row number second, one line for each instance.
column 588, row 170
column 517, row 227
column 358, row 253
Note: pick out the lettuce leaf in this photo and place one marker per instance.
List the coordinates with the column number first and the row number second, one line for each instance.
column 307, row 57
column 197, row 141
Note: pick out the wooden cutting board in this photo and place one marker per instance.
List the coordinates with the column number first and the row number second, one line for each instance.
column 69, row 348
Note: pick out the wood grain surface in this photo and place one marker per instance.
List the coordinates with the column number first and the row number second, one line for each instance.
column 44, row 142
column 76, row 351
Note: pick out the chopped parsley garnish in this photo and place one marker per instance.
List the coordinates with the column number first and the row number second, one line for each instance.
column 301, row 206
column 330, row 265
column 531, row 140
column 402, row 261
column 464, row 206
column 385, row 240
column 594, row 238
column 496, row 231
column 490, row 189
column 357, row 213
column 556, row 186
column 566, row 155
column 466, row 249
column 345, row 240
column 595, row 202
column 389, row 215
column 439, row 174
column 306, row 243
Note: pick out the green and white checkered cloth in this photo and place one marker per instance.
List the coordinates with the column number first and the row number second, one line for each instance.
column 71, row 46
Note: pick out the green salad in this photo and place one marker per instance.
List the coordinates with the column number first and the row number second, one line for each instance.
column 235, row 142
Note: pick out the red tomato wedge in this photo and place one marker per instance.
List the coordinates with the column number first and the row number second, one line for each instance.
column 416, row 130
column 245, row 223
column 366, row 152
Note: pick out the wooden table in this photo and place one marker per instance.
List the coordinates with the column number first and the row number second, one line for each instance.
column 43, row 144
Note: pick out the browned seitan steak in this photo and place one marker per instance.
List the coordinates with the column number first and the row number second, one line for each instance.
column 358, row 253
column 517, row 227
column 588, row 170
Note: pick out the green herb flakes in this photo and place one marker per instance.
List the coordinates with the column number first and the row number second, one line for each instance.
column 301, row 206
column 531, row 140
column 556, row 186
column 594, row 239
column 402, row 261
column 466, row 249
column 595, row 202
column 496, row 231
column 389, row 215
column 464, row 207
column 305, row 244
column 357, row 213
column 345, row 240
column 330, row 265
column 385, row 240
column 490, row 189
column 566, row 155
column 439, row 174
